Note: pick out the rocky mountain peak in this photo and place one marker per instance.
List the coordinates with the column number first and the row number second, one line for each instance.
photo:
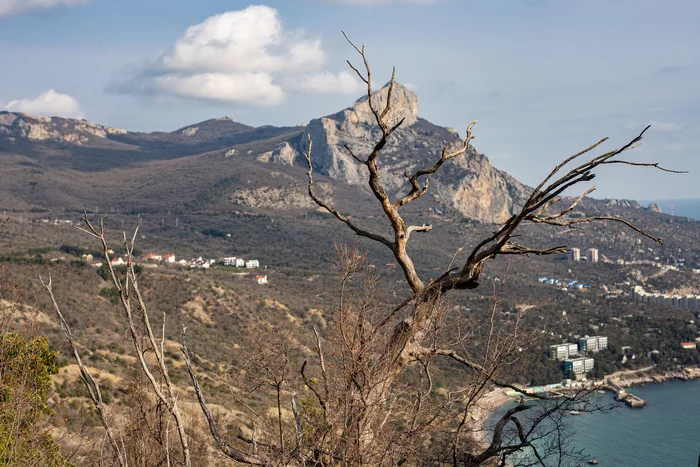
column 468, row 183
column 404, row 104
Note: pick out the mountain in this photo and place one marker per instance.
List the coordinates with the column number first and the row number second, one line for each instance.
column 468, row 184
column 58, row 164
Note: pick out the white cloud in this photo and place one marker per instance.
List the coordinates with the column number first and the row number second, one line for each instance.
column 14, row 7
column 247, row 88
column 244, row 57
column 325, row 83
column 48, row 104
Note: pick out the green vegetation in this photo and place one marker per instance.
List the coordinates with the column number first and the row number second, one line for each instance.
column 26, row 366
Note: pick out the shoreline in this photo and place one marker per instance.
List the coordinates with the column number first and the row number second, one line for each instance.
column 497, row 397
column 642, row 376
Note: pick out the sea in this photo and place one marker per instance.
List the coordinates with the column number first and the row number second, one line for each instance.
column 681, row 207
column 665, row 433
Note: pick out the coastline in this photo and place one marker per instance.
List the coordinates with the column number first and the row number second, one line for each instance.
column 631, row 378
column 497, row 397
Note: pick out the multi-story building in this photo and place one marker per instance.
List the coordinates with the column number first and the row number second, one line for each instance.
column 562, row 351
column 575, row 254
column 253, row 263
column 592, row 344
column 230, row 261
column 602, row 342
column 592, row 255
column 688, row 302
column 578, row 366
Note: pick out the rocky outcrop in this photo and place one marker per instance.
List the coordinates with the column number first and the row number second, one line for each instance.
column 653, row 207
column 283, row 154
column 14, row 126
column 475, row 188
column 623, row 203
column 468, row 184
column 287, row 197
column 356, row 128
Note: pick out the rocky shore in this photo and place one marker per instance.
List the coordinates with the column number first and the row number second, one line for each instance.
column 648, row 375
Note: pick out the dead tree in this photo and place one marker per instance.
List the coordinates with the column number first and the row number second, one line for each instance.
column 381, row 374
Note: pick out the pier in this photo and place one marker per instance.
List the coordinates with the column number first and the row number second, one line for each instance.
column 631, row 400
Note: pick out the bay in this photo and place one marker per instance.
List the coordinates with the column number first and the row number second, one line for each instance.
column 664, row 433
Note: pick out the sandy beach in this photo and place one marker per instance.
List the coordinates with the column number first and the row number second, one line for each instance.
column 480, row 414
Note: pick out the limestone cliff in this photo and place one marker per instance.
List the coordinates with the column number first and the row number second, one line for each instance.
column 14, row 126
column 468, row 184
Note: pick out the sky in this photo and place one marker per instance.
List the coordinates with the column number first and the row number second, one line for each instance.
column 545, row 78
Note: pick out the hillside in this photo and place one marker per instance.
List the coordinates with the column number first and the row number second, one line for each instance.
column 45, row 159
column 220, row 188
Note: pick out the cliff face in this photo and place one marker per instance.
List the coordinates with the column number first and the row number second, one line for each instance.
column 14, row 126
column 468, row 183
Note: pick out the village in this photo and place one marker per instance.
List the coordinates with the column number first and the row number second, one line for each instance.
column 152, row 260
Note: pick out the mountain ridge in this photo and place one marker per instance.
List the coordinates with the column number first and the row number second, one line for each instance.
column 215, row 151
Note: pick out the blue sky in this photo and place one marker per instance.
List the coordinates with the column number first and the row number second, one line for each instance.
column 544, row 77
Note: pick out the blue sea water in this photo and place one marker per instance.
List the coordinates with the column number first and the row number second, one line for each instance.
column 665, row 433
column 681, row 207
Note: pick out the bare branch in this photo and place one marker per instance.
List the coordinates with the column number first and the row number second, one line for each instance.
column 90, row 382
column 359, row 231
column 416, row 190
column 647, row 164
column 225, row 448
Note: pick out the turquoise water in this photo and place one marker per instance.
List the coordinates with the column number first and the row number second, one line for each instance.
column 664, row 433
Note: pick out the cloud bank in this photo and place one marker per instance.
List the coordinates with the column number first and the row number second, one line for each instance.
column 48, row 104
column 241, row 57
column 15, row 7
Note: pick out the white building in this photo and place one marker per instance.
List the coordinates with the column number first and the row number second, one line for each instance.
column 169, row 258
column 688, row 302
column 240, row 262
column 261, row 279
column 578, row 366
column 230, row 261
column 253, row 263
column 562, row 351
column 592, row 255
column 117, row 261
column 592, row 344
column 575, row 254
